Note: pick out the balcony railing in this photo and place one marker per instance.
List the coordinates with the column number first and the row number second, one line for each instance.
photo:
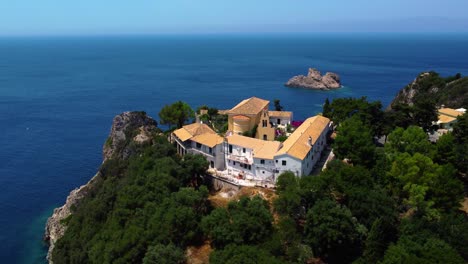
column 240, row 159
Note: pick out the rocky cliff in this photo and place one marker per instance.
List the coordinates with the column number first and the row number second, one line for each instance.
column 315, row 80
column 128, row 129
column 450, row 91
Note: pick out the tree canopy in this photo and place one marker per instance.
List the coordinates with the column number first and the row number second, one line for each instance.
column 177, row 114
column 354, row 142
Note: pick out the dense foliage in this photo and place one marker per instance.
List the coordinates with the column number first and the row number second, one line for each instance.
column 134, row 208
column 391, row 202
column 177, row 114
column 450, row 91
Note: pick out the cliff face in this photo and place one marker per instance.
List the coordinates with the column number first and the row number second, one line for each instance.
column 315, row 80
column 128, row 128
column 451, row 91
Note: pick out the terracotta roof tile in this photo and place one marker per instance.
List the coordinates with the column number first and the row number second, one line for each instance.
column 251, row 106
column 209, row 140
column 280, row 114
column 447, row 115
column 261, row 149
column 189, row 131
column 297, row 145
column 241, row 117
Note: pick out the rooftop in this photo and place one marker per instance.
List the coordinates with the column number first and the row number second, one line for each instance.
column 210, row 140
column 261, row 149
column 241, row 117
column 280, row 114
column 450, row 112
column 447, row 115
column 251, row 106
column 192, row 130
column 297, row 145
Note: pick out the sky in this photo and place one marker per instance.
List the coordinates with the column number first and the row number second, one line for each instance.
column 70, row 17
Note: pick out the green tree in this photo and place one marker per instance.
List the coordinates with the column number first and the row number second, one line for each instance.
column 460, row 132
column 424, row 112
column 177, row 114
column 333, row 232
column 354, row 142
column 288, row 201
column 370, row 113
column 245, row 254
column 193, row 166
column 446, row 150
column 381, row 234
column 326, row 108
column 278, row 106
column 250, row 222
column 161, row 254
column 286, row 180
column 425, row 186
column 411, row 140
column 412, row 250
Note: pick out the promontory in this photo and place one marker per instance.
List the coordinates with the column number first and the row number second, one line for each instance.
column 315, row 80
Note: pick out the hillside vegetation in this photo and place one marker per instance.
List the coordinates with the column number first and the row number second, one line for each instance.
column 451, row 91
column 397, row 203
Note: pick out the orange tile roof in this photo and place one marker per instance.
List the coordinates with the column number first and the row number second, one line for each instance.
column 209, row 140
column 241, row 117
column 447, row 115
column 297, row 145
column 251, row 106
column 450, row 112
column 443, row 119
column 280, row 114
column 189, row 131
column 261, row 149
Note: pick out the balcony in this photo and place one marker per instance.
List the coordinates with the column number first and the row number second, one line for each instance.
column 199, row 151
column 240, row 159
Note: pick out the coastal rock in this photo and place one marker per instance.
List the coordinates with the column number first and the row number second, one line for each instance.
column 55, row 228
column 122, row 124
column 315, row 80
column 449, row 91
column 128, row 129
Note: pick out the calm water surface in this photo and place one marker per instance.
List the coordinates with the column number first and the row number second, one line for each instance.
column 58, row 97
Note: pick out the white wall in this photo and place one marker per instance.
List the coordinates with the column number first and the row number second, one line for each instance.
column 265, row 171
column 216, row 156
column 238, row 152
column 292, row 164
column 283, row 120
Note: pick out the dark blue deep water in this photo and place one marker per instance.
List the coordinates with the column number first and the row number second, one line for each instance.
column 58, row 97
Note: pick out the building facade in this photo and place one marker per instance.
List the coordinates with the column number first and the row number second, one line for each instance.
column 200, row 139
column 261, row 159
column 303, row 149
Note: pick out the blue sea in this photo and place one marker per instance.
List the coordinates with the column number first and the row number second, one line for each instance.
column 58, row 96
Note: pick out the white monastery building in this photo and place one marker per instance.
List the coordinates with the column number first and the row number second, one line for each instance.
column 254, row 159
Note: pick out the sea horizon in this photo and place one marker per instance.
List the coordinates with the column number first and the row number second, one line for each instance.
column 58, row 96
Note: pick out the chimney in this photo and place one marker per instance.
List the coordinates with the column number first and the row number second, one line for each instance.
column 310, row 141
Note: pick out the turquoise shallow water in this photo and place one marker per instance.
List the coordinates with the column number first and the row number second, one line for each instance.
column 58, row 97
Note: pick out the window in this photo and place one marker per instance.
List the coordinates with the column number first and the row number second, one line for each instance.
column 250, row 167
column 264, row 123
column 243, row 150
column 276, row 161
column 210, row 150
column 279, row 121
column 262, row 161
column 265, row 137
column 263, row 172
column 212, row 164
column 230, row 148
column 198, row 145
column 283, row 163
column 233, row 163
